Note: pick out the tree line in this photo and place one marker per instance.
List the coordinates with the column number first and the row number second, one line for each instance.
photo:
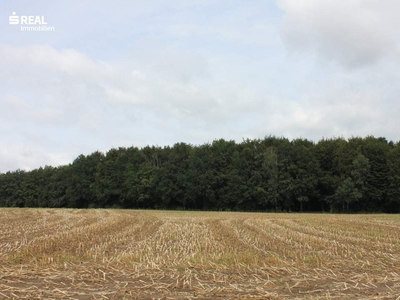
column 270, row 174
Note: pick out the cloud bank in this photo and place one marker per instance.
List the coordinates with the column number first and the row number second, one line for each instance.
column 195, row 72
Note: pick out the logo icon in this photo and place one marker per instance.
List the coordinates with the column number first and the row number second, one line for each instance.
column 13, row 20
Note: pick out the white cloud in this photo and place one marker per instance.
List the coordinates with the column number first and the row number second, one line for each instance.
column 26, row 158
column 340, row 111
column 102, row 104
column 354, row 33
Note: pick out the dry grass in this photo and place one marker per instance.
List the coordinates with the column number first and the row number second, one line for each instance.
column 116, row 254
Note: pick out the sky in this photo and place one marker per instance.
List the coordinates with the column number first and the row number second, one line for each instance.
column 135, row 73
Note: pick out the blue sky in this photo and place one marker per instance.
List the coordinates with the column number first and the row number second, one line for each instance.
column 129, row 73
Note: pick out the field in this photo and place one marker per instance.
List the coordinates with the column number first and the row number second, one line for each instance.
column 118, row 254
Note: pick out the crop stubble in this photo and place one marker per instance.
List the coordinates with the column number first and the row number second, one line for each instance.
column 128, row 254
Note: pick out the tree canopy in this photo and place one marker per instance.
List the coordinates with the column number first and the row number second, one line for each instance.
column 270, row 174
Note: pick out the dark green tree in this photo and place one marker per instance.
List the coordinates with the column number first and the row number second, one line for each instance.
column 81, row 190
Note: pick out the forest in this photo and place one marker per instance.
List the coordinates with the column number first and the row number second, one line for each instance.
column 270, row 174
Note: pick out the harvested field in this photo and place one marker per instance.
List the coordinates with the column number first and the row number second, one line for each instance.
column 126, row 254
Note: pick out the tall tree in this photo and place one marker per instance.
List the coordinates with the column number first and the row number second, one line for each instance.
column 376, row 150
column 393, row 190
column 270, row 166
column 81, row 191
